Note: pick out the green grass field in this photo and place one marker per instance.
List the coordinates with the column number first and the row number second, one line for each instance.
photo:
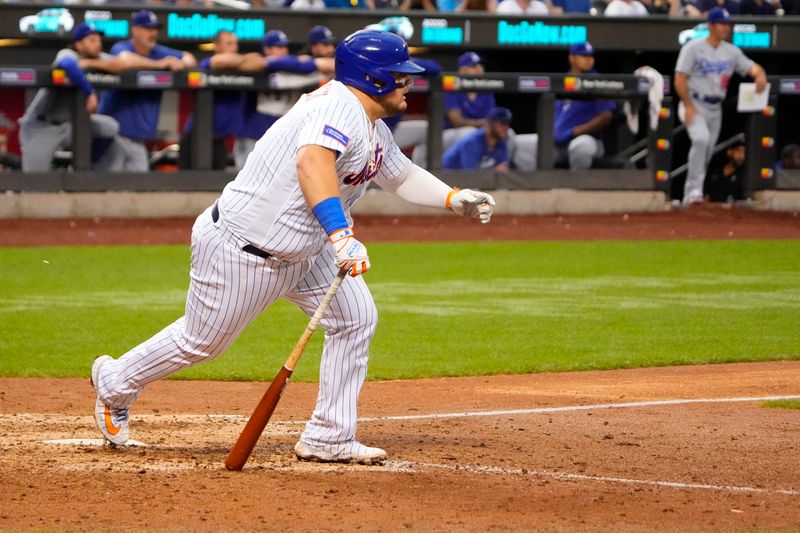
column 783, row 404
column 445, row 309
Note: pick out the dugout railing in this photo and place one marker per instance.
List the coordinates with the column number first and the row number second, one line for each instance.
column 543, row 89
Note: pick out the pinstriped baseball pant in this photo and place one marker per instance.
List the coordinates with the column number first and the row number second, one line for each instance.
column 228, row 289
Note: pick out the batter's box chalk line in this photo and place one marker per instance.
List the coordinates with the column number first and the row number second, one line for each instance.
column 411, row 467
column 92, row 442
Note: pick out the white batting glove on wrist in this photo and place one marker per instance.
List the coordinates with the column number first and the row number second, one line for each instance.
column 469, row 203
column 351, row 255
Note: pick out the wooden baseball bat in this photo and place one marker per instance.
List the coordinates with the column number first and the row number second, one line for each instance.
column 263, row 412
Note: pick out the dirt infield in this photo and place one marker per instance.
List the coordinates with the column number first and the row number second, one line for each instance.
column 556, row 452
column 708, row 222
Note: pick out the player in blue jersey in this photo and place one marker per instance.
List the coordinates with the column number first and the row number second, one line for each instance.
column 137, row 110
column 227, row 120
column 321, row 42
column 260, row 110
column 468, row 109
column 463, row 111
column 486, row 147
column 579, row 124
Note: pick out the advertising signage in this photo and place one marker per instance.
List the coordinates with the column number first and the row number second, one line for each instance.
column 39, row 22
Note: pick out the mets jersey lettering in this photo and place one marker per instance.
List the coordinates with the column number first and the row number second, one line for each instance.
column 369, row 171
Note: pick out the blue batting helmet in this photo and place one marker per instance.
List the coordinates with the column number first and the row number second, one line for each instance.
column 367, row 58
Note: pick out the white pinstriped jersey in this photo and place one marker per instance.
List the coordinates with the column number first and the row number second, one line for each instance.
column 264, row 204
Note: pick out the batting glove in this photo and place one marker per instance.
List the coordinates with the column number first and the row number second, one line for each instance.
column 351, row 255
column 469, row 203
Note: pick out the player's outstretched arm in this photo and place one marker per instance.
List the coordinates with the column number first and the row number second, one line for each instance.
column 759, row 75
column 226, row 60
column 420, row 187
column 316, row 174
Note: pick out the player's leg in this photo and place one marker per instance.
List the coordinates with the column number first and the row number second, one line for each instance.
column 136, row 157
column 349, row 327
column 450, row 136
column 582, row 150
column 39, row 142
column 228, row 289
column 112, row 158
column 714, row 121
column 410, row 133
column 699, row 136
column 525, row 153
column 103, row 126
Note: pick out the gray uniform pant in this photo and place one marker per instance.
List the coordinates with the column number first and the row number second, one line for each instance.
column 703, row 133
column 39, row 141
column 130, row 153
column 581, row 151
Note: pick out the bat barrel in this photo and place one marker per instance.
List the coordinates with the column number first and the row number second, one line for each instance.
column 258, row 420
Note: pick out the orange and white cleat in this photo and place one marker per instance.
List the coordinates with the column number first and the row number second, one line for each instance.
column 113, row 423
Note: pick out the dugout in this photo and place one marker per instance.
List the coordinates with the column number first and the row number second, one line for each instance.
column 513, row 47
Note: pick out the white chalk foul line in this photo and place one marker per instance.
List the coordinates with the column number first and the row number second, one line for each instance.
column 544, row 410
column 90, row 442
column 565, row 476
column 412, row 467
column 541, row 410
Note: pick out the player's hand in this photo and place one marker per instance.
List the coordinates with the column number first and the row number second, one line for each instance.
column 688, row 114
column 91, row 103
column 351, row 255
column 469, row 203
column 171, row 63
column 761, row 83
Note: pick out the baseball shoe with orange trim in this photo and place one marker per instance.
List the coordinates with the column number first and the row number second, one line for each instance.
column 113, row 423
column 348, row 452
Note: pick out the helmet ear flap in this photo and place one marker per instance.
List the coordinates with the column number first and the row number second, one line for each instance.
column 383, row 82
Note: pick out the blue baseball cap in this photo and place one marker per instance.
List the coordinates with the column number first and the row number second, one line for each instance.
column 582, row 49
column 146, row 19
column 83, row 30
column 321, row 34
column 469, row 59
column 500, row 114
column 719, row 15
column 275, row 38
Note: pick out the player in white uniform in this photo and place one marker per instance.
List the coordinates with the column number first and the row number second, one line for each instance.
column 702, row 74
column 282, row 228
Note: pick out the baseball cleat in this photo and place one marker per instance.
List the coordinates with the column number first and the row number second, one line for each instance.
column 349, row 452
column 113, row 423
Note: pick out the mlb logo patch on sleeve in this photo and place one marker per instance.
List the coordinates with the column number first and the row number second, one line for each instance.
column 333, row 133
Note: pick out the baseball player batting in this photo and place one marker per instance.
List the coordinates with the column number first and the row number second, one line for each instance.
column 282, row 229
column 702, row 74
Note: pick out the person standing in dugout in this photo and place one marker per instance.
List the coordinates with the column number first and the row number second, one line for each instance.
column 702, row 74
column 135, row 110
column 283, row 229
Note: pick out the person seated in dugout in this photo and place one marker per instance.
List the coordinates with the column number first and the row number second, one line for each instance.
column 579, row 124
column 484, row 148
column 464, row 112
column 136, row 111
column 725, row 176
